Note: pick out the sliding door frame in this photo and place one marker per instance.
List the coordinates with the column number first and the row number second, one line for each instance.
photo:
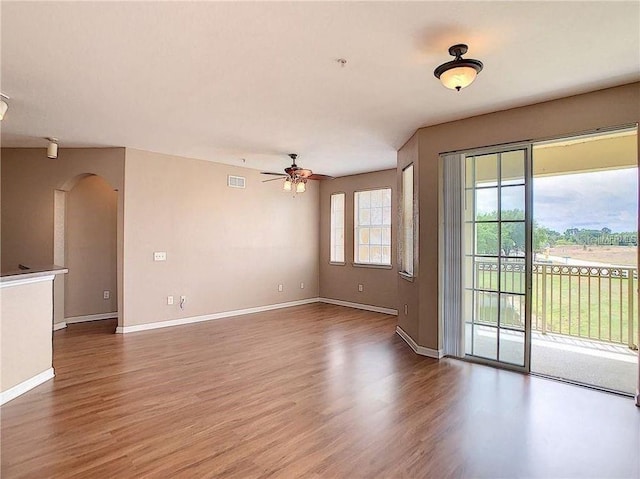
column 527, row 147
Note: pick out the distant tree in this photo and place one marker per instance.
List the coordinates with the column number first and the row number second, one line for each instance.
column 544, row 237
column 486, row 237
column 512, row 235
column 570, row 236
column 512, row 240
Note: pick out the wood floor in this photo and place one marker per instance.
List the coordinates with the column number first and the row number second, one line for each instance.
column 317, row 391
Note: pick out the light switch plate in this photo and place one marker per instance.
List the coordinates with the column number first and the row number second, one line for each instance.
column 160, row 256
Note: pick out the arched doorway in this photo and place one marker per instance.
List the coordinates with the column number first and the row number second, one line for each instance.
column 85, row 241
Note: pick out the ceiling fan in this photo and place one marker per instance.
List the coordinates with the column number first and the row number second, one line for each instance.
column 295, row 177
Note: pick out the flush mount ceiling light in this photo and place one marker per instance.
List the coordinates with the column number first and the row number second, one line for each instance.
column 460, row 72
column 52, row 148
column 4, row 106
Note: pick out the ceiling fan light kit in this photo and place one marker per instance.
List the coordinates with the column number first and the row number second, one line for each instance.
column 295, row 178
column 458, row 73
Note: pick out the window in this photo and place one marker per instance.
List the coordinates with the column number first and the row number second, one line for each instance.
column 406, row 258
column 372, row 227
column 337, row 228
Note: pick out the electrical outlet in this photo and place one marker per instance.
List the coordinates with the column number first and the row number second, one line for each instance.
column 280, row 288
column 301, row 285
column 106, row 294
column 169, row 300
column 361, row 288
column 406, row 309
column 160, row 256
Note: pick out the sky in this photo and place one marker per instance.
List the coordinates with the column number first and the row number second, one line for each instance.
column 587, row 200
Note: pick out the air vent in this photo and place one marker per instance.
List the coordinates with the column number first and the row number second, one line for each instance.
column 236, row 181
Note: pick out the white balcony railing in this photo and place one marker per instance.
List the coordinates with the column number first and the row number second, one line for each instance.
column 589, row 302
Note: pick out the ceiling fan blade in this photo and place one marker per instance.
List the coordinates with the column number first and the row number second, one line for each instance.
column 271, row 173
column 319, row 177
column 274, row 179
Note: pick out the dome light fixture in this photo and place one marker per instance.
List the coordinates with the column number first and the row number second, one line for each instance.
column 458, row 73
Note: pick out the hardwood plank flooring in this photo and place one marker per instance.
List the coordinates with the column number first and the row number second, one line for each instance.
column 316, row 391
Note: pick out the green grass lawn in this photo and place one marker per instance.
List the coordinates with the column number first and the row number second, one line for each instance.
column 595, row 307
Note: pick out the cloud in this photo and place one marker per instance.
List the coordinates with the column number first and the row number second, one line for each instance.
column 592, row 200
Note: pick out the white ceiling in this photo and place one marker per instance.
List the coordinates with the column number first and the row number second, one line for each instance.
column 231, row 80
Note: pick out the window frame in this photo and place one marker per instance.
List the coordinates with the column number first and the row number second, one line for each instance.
column 402, row 258
column 344, row 228
column 357, row 226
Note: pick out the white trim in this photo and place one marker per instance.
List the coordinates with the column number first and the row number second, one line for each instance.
column 60, row 325
column 421, row 350
column 91, row 317
column 372, row 265
column 25, row 386
column 210, row 317
column 406, row 276
column 366, row 307
column 7, row 283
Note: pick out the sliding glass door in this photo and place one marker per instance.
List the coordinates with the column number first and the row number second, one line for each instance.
column 497, row 257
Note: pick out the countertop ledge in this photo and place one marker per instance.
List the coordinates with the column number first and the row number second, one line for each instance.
column 35, row 272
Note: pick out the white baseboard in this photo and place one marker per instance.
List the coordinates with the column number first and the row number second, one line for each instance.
column 367, row 307
column 421, row 350
column 210, row 317
column 91, row 317
column 58, row 326
column 25, row 386
column 240, row 312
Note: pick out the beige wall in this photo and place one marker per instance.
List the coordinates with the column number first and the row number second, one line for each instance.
column 564, row 117
column 29, row 182
column 341, row 281
column 90, row 248
column 227, row 248
column 26, row 332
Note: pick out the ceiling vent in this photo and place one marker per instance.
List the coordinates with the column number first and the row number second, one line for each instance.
column 236, row 181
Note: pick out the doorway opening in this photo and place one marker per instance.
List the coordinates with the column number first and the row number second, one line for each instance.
column 584, row 320
column 85, row 241
column 545, row 253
